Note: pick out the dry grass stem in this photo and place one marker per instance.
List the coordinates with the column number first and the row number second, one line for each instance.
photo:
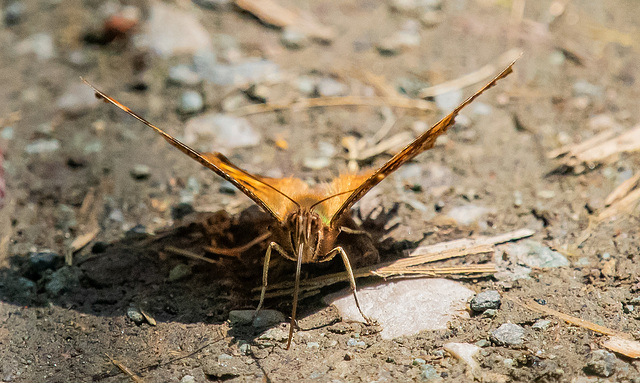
column 598, row 148
column 132, row 375
column 402, row 102
column 272, row 13
column 622, row 190
column 472, row 78
column 617, row 341
column 189, row 254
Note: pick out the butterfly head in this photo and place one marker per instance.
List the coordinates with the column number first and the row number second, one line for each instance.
column 307, row 235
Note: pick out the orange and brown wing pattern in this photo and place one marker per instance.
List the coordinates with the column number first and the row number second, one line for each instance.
column 424, row 142
column 279, row 194
column 266, row 196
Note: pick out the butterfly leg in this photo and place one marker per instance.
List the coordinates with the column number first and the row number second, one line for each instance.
column 349, row 230
column 352, row 279
column 265, row 271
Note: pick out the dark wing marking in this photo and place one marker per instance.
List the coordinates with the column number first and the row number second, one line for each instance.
column 424, row 142
column 252, row 186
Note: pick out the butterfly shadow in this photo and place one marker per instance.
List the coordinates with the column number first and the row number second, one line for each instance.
column 144, row 273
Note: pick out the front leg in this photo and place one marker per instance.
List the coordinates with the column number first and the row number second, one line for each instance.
column 352, row 279
column 265, row 271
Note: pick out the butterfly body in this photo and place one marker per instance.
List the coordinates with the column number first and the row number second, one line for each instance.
column 308, row 220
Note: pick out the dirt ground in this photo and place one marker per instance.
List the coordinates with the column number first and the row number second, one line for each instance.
column 576, row 79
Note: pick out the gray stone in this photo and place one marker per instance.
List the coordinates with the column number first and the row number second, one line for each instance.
column 352, row 342
column 191, row 102
column 267, row 318
column 188, row 379
column 7, row 133
column 42, row 146
column 62, row 280
column 213, row 131
column 418, row 304
column 466, row 215
column 428, row 373
column 449, row 100
column 406, row 38
column 330, row 87
column 508, row 334
column 241, row 317
column 77, row 99
column 485, row 300
column 251, row 70
column 140, row 172
column 585, row 88
column 183, row 75
column 171, row 31
column 490, row 313
column 135, row 315
column 179, row 272
column 534, row 254
column 40, row 44
column 418, row 362
column 601, row 363
column 277, row 334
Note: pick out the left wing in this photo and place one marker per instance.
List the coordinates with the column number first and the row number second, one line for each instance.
column 424, row 142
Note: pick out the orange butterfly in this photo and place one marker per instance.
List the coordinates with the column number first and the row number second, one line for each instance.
column 308, row 220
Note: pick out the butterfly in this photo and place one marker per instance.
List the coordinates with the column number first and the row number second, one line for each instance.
column 308, row 220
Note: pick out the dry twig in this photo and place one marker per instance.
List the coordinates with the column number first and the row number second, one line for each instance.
column 617, row 341
column 471, row 78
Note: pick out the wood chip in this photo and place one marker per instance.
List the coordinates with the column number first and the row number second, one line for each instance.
column 272, row 13
column 627, row 347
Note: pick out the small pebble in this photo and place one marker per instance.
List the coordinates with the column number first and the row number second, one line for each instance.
column 313, row 345
column 330, row 87
column 77, row 99
column 7, row 133
column 43, row 261
column 40, row 44
column 244, row 347
column 140, row 172
column 541, row 324
column 293, row 38
column 135, row 315
column 213, row 131
column 517, row 198
column 191, row 102
column 585, row 88
column 485, row 300
column 224, row 357
column 179, row 272
column 183, row 75
column 449, row 100
column 188, row 379
column 356, row 343
column 483, row 343
column 490, row 313
column 14, row 13
column 601, row 363
column 277, row 334
column 181, row 210
column 418, row 362
column 42, row 146
column 508, row 334
column 62, row 280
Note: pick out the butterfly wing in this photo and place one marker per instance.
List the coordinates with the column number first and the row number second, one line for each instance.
column 268, row 197
column 424, row 142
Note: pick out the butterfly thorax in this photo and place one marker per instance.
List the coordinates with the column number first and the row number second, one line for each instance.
column 303, row 233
